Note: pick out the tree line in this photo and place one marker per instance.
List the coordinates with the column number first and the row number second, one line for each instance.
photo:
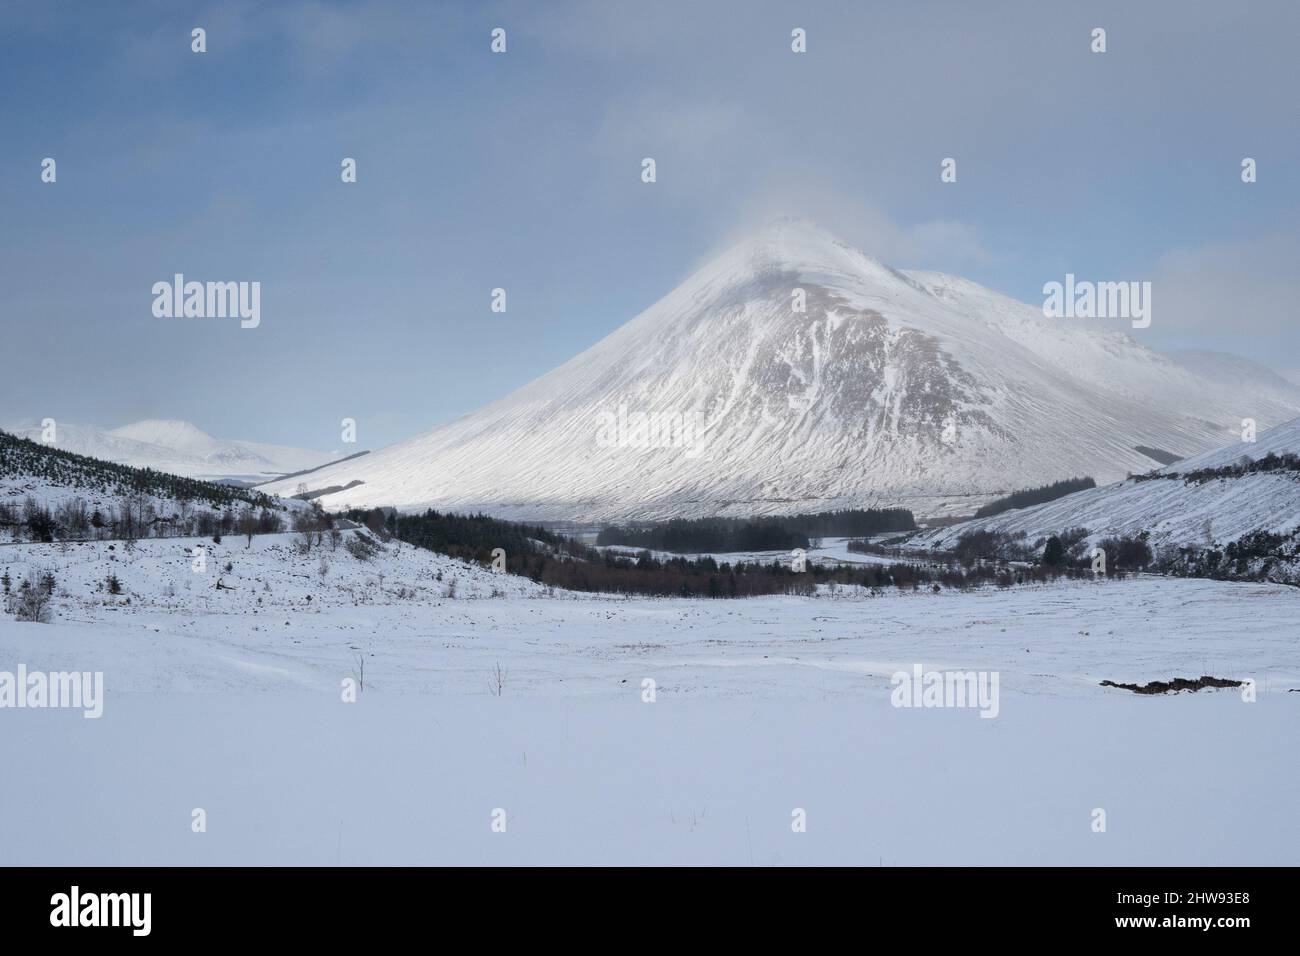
column 1272, row 462
column 550, row 559
column 1035, row 496
column 134, row 517
column 774, row 533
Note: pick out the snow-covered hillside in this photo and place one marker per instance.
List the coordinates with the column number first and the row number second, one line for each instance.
column 47, row 493
column 271, row 574
column 918, row 390
column 1174, row 510
column 178, row 448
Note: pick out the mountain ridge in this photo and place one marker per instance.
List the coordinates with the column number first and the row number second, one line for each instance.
column 178, row 447
column 1208, row 501
column 890, row 387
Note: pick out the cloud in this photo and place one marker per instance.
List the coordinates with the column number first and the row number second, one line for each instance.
column 947, row 240
column 612, row 31
column 945, row 244
column 165, row 46
column 314, row 37
column 692, row 128
column 1247, row 287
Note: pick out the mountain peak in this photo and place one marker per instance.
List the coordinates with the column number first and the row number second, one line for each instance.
column 872, row 385
column 798, row 241
column 799, row 247
column 168, row 432
column 789, row 226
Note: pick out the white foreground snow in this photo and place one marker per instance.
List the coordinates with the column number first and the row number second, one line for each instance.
column 762, row 706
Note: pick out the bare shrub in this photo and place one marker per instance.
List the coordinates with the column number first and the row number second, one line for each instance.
column 74, row 517
column 497, row 680
column 361, row 547
column 310, row 526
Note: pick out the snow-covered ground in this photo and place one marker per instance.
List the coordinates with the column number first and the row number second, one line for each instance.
column 511, row 697
column 299, row 778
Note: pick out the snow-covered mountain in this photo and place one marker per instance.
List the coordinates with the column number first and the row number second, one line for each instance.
column 906, row 388
column 1174, row 510
column 178, row 448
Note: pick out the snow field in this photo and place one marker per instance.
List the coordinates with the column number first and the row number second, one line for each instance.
column 762, row 707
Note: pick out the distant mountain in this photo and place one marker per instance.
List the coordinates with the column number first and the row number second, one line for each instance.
column 910, row 389
column 1231, row 370
column 179, row 448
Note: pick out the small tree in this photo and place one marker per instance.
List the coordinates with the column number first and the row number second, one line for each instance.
column 40, row 523
column 310, row 525
column 1128, row 552
column 32, row 603
column 1054, row 552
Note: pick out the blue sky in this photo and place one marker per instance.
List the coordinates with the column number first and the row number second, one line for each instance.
column 522, row 170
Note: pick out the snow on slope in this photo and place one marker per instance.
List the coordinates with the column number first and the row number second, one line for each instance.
column 176, row 435
column 912, row 389
column 53, row 478
column 1174, row 511
column 1281, row 440
column 179, row 448
column 1231, row 370
column 93, row 441
column 270, row 576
